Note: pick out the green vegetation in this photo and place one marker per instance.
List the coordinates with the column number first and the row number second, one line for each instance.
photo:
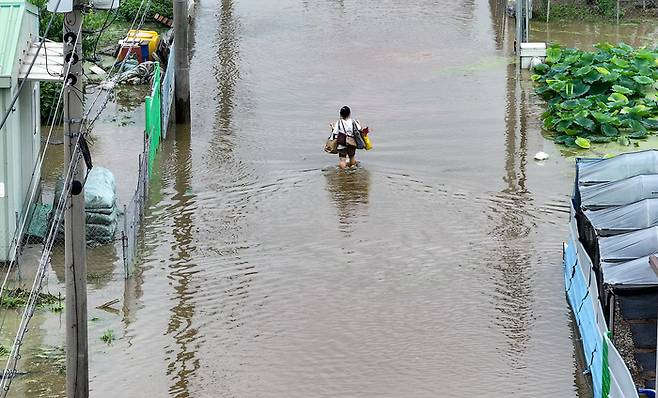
column 108, row 336
column 116, row 27
column 129, row 8
column 599, row 96
column 591, row 11
column 18, row 297
column 49, row 97
column 4, row 351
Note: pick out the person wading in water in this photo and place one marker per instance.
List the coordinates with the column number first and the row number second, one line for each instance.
column 344, row 130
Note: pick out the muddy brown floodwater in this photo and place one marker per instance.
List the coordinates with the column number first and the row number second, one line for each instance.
column 433, row 270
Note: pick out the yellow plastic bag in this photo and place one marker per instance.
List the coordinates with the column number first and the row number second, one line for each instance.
column 366, row 139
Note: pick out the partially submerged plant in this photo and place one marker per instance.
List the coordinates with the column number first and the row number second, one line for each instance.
column 605, row 95
column 108, row 336
column 18, row 297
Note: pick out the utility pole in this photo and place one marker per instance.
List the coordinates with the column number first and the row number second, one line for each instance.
column 182, row 61
column 75, row 261
column 520, row 25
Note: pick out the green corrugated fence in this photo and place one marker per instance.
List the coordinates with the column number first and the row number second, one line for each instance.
column 153, row 118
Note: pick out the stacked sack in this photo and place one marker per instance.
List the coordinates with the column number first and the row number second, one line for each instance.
column 101, row 212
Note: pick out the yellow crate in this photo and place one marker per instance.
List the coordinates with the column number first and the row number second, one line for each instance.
column 152, row 37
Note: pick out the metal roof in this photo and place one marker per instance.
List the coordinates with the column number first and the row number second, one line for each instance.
column 49, row 64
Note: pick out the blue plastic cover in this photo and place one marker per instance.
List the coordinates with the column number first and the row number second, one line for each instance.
column 619, row 193
column 629, row 246
column 595, row 171
column 616, row 220
column 632, row 273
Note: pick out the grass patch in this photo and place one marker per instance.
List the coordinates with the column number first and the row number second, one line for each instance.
column 108, row 336
column 18, row 297
column 570, row 12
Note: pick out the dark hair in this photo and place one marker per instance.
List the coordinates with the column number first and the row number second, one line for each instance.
column 345, row 112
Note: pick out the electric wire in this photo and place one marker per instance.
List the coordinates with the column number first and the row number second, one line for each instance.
column 35, row 291
column 29, row 69
column 30, row 306
column 19, row 232
column 104, row 27
column 110, row 75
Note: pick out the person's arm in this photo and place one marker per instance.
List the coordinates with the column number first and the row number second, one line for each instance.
column 358, row 126
column 335, row 131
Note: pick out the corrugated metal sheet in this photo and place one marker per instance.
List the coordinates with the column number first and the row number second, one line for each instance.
column 11, row 19
column 49, row 64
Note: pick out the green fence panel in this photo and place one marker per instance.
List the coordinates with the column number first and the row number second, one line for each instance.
column 153, row 118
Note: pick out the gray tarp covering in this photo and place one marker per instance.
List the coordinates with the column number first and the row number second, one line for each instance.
column 594, row 171
column 635, row 272
column 615, row 220
column 100, row 190
column 627, row 247
column 101, row 213
column 618, row 193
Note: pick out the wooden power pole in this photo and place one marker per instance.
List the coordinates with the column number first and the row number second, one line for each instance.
column 182, row 62
column 75, row 261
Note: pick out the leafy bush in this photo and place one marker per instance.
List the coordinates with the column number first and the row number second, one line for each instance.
column 129, row 8
column 599, row 96
column 49, row 97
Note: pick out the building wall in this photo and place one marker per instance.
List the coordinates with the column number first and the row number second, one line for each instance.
column 20, row 141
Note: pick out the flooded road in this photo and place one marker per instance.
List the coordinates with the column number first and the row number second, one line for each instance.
column 433, row 270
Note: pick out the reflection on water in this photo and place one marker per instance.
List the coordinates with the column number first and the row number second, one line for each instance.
column 227, row 71
column 349, row 191
column 182, row 359
column 514, row 284
column 453, row 271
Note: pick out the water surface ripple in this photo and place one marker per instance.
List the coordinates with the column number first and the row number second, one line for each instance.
column 433, row 270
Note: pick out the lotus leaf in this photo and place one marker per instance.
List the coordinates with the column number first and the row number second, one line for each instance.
column 585, row 70
column 609, row 130
column 621, row 89
column 643, row 80
column 619, row 62
column 645, row 54
column 571, row 59
column 553, row 55
column 599, row 139
column 570, row 142
column 635, row 126
column 610, row 77
column 617, row 100
column 570, row 104
column 607, row 94
column 585, row 122
column 582, row 142
column 623, row 140
column 605, row 46
column 625, row 48
column 592, row 76
column 638, row 134
column 603, row 117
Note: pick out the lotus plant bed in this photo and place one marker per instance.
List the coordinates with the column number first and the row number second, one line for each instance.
column 601, row 96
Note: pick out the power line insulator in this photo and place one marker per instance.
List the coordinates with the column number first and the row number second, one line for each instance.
column 76, row 187
column 70, row 37
column 67, row 58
